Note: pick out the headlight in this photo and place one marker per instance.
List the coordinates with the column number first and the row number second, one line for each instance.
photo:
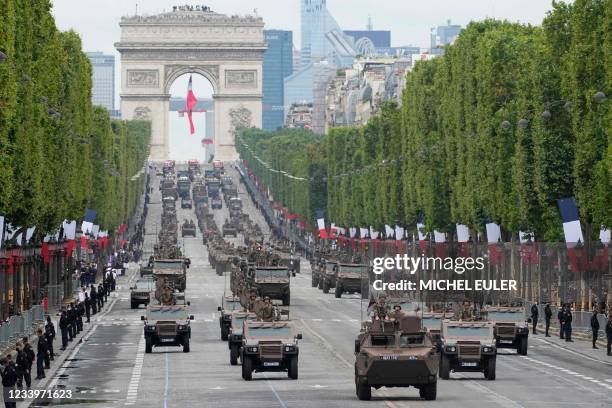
column 523, row 329
column 252, row 349
column 289, row 347
column 227, row 317
column 181, row 327
column 487, row 349
column 451, row 349
column 150, row 327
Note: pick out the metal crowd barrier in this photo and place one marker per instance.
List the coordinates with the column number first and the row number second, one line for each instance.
column 22, row 325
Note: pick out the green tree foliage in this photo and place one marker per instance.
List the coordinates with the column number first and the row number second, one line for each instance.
column 59, row 154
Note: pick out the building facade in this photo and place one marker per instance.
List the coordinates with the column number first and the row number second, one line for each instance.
column 103, row 79
column 277, row 65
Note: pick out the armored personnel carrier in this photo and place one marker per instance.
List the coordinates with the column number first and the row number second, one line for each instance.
column 510, row 326
column 229, row 229
column 229, row 305
column 188, row 229
column 271, row 281
column 140, row 293
column 186, row 203
column 269, row 346
column 238, row 317
column 167, row 326
column 351, row 278
column 172, row 271
column 395, row 353
column 467, row 346
column 327, row 277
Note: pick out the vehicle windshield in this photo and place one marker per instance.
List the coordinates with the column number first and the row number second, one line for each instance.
column 168, row 265
column 382, row 340
column 506, row 316
column 268, row 331
column 431, row 322
column 407, row 340
column 232, row 305
column 467, row 331
column 271, row 273
column 170, row 313
column 144, row 284
column 356, row 269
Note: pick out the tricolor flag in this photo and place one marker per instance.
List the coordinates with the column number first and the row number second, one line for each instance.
column 529, row 252
column 191, row 103
column 321, row 224
column 388, row 231
column 463, row 236
column 572, row 231
column 399, row 236
column 1, row 230
column 493, row 236
column 88, row 219
column 422, row 237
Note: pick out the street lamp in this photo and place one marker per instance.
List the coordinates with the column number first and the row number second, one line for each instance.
column 599, row 97
column 546, row 115
column 523, row 123
column 506, row 125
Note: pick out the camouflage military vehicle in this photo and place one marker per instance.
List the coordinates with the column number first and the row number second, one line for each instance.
column 317, row 264
column 147, row 270
column 235, row 204
column 229, row 305
column 216, row 203
column 167, row 326
column 222, row 262
column 271, row 281
column 188, row 229
column 467, row 346
column 229, row 229
column 396, row 353
column 234, row 343
column 269, row 346
column 140, row 293
column 510, row 327
column 184, row 187
column 172, row 271
column 186, row 203
column 351, row 278
column 432, row 322
column 327, row 278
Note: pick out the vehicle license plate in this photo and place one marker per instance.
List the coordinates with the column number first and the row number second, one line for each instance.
column 506, row 341
column 469, row 364
column 167, row 340
column 389, row 357
column 271, row 364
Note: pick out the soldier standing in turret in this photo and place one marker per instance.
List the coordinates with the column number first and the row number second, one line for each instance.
column 167, row 297
column 267, row 310
column 381, row 310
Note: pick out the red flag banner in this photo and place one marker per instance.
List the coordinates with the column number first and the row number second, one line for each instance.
column 83, row 242
column 191, row 103
column 70, row 245
column 44, row 252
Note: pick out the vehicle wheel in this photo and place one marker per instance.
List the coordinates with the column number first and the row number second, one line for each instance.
column 224, row 333
column 338, row 292
column 293, row 369
column 247, row 368
column 444, row 368
column 490, row 370
column 234, row 352
column 320, row 283
column 522, row 350
column 186, row 344
column 428, row 392
column 148, row 345
column 364, row 392
column 325, row 287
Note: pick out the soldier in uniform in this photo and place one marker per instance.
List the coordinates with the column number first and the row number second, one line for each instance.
column 252, row 303
column 167, row 296
column 267, row 310
column 397, row 311
column 381, row 309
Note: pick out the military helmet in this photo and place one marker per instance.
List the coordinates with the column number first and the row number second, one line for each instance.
column 267, row 298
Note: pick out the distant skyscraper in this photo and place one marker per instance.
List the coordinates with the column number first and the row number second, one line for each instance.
column 444, row 35
column 277, row 65
column 103, row 78
column 369, row 42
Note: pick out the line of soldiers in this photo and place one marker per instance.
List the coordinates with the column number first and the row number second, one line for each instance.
column 264, row 310
column 382, row 311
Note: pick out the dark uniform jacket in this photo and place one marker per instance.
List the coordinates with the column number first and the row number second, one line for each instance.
column 609, row 329
column 547, row 312
column 594, row 323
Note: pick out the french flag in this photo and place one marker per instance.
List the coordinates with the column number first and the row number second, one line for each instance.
column 191, row 103
column 572, row 231
column 321, row 224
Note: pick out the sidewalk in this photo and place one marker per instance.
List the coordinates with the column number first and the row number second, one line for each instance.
column 582, row 339
column 578, row 347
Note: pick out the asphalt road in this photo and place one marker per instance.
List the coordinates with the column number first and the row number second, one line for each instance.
column 110, row 368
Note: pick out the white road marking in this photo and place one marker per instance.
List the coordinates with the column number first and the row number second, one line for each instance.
column 136, row 374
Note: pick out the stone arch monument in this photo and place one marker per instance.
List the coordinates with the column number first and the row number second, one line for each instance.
column 228, row 51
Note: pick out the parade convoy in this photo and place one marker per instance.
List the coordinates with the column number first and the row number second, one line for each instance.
column 412, row 346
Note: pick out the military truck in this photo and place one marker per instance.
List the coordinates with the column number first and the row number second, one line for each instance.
column 184, row 187
column 327, row 278
column 228, row 306
column 467, row 346
column 269, row 346
column 235, row 204
column 140, row 293
column 188, row 229
column 172, row 271
column 432, row 322
column 237, row 318
column 216, row 203
column 229, row 229
column 510, row 326
column 167, row 326
column 147, row 270
column 271, row 281
column 351, row 278
column 396, row 353
column 186, row 203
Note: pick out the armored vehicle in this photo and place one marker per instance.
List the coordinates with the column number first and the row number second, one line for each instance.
column 184, row 186
column 316, row 266
column 140, row 293
column 234, row 343
column 351, row 278
column 188, row 229
column 229, row 229
column 271, row 281
column 216, row 203
column 327, row 277
column 147, row 270
column 396, row 353
column 510, row 327
column 186, row 203
column 235, row 204
column 171, row 271
column 432, row 322
column 167, row 326
column 467, row 346
column 230, row 304
column 269, row 346
column 168, row 204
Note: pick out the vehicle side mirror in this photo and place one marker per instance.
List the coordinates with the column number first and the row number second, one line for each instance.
column 142, row 318
column 357, row 346
column 190, row 317
column 299, row 336
column 218, row 308
column 529, row 320
column 188, row 303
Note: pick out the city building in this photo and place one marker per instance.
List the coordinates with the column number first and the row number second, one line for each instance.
column 443, row 35
column 277, row 65
column 300, row 116
column 370, row 42
column 103, row 79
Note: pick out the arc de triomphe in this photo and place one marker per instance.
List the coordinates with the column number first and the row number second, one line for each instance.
column 228, row 51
